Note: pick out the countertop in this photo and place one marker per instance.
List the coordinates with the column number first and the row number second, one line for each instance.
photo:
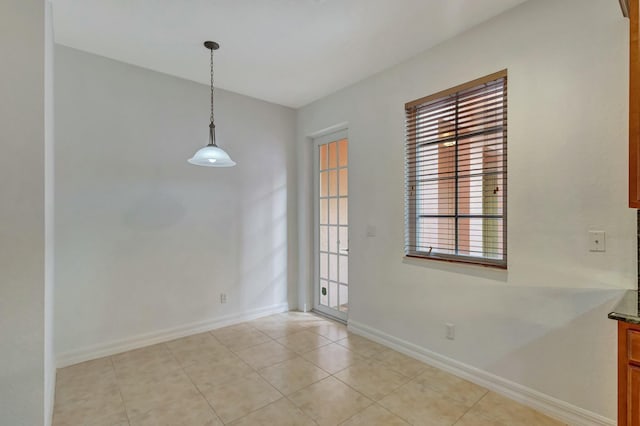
column 627, row 309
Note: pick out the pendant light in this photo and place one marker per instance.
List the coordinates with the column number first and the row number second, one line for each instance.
column 212, row 155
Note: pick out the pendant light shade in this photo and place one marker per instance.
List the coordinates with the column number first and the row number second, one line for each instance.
column 211, row 155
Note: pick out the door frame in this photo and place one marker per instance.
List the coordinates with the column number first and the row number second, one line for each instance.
column 316, row 142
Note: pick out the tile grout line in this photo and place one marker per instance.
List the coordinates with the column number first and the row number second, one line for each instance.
column 267, row 382
column 300, row 355
column 333, row 375
column 247, row 347
column 373, row 401
column 412, row 379
column 254, row 370
column 281, row 393
column 194, row 385
column 473, row 405
column 298, row 408
column 124, row 405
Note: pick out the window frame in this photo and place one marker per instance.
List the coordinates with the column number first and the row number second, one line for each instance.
column 411, row 181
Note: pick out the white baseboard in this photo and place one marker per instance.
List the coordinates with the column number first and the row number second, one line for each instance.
column 556, row 408
column 111, row 348
column 50, row 395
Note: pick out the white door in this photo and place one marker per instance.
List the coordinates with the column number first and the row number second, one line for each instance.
column 331, row 287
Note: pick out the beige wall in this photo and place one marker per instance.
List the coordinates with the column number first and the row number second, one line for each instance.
column 24, row 280
column 542, row 324
column 146, row 242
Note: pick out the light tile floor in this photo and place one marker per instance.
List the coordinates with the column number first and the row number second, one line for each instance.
column 285, row 369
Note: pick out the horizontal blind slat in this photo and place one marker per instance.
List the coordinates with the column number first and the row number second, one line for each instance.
column 455, row 174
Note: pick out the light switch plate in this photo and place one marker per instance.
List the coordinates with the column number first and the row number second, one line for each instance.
column 597, row 241
column 451, row 330
column 371, row 231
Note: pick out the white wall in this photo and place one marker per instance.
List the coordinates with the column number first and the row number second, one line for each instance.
column 146, row 242
column 49, row 221
column 543, row 322
column 24, row 142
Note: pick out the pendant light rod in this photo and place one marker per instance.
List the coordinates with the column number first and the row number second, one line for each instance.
column 212, row 155
column 212, row 45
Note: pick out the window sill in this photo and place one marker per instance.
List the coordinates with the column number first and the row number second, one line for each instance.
column 463, row 262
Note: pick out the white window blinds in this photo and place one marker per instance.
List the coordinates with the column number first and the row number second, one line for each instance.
column 456, row 173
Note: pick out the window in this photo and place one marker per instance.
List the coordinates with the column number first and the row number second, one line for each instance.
column 456, row 173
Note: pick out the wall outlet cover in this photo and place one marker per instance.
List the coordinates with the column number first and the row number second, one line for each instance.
column 597, row 241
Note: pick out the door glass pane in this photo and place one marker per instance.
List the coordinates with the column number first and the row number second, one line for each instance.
column 343, row 211
column 333, row 239
column 333, row 295
column 324, row 190
column 333, row 155
column 324, row 292
column 344, row 270
column 333, row 183
column 343, row 237
column 333, row 211
column 344, row 182
column 324, row 238
column 324, row 265
column 333, row 267
column 343, row 154
column 344, row 298
column 323, row 157
column 324, row 207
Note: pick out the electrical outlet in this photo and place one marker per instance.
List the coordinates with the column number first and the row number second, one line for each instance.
column 223, row 297
column 451, row 331
column 596, row 241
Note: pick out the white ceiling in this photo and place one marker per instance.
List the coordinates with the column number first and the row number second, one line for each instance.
column 290, row 52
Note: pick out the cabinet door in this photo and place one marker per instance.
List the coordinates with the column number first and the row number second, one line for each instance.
column 634, row 105
column 633, row 396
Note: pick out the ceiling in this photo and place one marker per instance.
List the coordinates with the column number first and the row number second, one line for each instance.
column 290, row 52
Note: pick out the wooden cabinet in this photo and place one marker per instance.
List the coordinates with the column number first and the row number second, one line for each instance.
column 632, row 9
column 628, row 374
column 633, row 395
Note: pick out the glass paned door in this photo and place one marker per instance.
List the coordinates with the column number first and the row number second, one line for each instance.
column 332, row 225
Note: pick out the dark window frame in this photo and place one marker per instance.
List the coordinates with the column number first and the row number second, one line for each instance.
column 412, row 157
